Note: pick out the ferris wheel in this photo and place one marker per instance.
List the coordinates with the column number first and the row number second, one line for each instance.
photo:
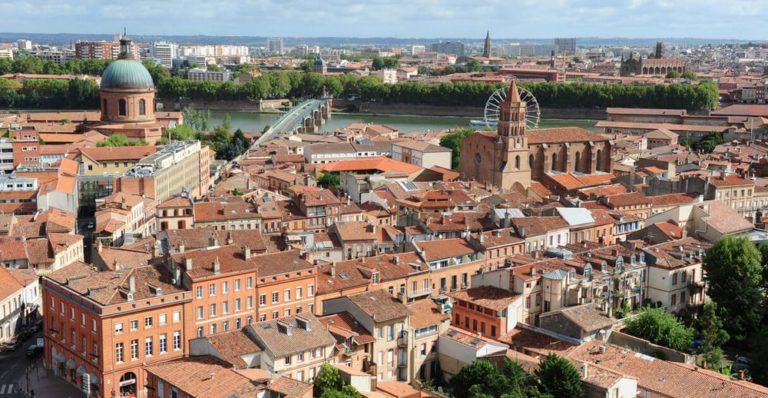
column 492, row 106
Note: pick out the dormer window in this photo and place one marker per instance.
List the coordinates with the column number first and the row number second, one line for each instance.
column 375, row 278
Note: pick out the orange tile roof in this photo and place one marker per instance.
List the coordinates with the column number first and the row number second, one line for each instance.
column 380, row 164
column 563, row 134
column 118, row 153
column 445, row 248
column 204, row 377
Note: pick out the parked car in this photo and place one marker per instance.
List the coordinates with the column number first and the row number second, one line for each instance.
column 33, row 350
column 12, row 345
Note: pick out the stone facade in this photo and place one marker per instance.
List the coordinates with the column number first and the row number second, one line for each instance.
column 513, row 155
column 128, row 105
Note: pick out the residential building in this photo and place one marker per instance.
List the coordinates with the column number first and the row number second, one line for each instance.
column 387, row 319
column 675, row 275
column 295, row 346
column 459, row 348
column 421, row 154
column 175, row 213
column 486, row 310
column 213, row 75
column 20, row 299
column 108, row 324
column 165, row 52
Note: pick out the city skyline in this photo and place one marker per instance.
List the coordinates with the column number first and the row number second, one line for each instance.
column 707, row 19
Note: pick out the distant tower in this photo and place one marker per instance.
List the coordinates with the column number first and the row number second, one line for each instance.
column 320, row 65
column 487, row 47
column 659, row 50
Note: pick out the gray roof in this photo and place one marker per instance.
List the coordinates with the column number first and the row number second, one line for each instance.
column 575, row 216
column 272, row 336
column 380, row 305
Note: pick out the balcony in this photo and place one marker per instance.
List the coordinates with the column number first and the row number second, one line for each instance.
column 402, row 341
column 419, row 293
column 696, row 286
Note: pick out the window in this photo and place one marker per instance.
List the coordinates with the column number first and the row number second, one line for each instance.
column 300, row 357
column 163, row 343
column 249, row 282
column 118, row 328
column 287, row 295
column 82, row 319
column 119, row 352
column 213, row 328
column 93, row 325
column 275, row 297
column 148, row 322
column 288, row 360
column 199, row 290
column 298, row 293
column 310, row 290
column 262, row 300
column 121, row 107
column 213, row 310
column 674, row 300
column 72, row 313
column 134, row 325
column 176, row 316
column 250, row 302
column 674, row 279
column 212, row 289
column 200, row 312
column 225, row 308
column 142, row 107
column 262, row 317
column 237, row 305
column 275, row 314
column 134, row 349
column 682, row 298
column 237, row 285
column 200, row 332
column 390, row 332
column 224, row 287
column 176, row 341
column 287, row 312
column 148, row 346
column 423, row 349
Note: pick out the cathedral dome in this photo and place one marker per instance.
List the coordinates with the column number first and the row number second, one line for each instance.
column 126, row 74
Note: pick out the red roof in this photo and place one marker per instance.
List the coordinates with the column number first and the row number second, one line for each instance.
column 380, row 164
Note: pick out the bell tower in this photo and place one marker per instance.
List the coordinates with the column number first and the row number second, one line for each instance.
column 513, row 141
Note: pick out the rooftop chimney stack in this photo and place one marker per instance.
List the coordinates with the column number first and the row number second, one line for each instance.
column 246, row 252
column 188, row 264
column 132, row 284
column 216, row 265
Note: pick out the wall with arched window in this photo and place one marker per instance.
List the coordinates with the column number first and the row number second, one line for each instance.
column 122, row 108
column 142, row 107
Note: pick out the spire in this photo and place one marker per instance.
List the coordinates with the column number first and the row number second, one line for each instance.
column 513, row 95
column 126, row 46
column 487, row 45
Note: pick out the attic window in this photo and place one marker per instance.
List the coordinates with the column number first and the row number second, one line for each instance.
column 343, row 276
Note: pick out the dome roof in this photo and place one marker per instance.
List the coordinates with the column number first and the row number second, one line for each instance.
column 126, row 74
column 319, row 61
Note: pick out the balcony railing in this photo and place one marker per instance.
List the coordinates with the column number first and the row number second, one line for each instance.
column 419, row 293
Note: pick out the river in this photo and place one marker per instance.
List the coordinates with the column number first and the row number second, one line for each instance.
column 255, row 122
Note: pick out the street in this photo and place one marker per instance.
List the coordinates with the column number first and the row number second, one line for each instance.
column 13, row 375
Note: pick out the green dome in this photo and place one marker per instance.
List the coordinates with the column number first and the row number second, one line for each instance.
column 126, row 74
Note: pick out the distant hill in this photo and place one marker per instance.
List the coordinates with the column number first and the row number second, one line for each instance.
column 255, row 41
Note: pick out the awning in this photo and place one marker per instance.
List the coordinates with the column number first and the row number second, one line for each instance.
column 81, row 371
column 94, row 379
column 71, row 364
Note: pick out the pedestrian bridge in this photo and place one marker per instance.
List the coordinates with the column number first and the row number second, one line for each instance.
column 306, row 117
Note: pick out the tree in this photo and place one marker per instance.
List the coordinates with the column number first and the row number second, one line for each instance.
column 712, row 334
column 329, row 384
column 758, row 359
column 673, row 74
column 453, row 141
column 329, row 180
column 559, row 377
column 690, row 75
column 227, row 122
column 477, row 373
column 661, row 327
column 121, row 140
column 733, row 272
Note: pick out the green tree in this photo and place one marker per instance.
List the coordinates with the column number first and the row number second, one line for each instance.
column 121, row 140
column 227, row 122
column 758, row 358
column 673, row 74
column 713, row 336
column 328, row 379
column 453, row 141
column 661, row 327
column 559, row 377
column 690, row 75
column 733, row 272
column 478, row 373
column 329, row 180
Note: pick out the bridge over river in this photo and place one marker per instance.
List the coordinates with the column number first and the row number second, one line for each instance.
column 303, row 118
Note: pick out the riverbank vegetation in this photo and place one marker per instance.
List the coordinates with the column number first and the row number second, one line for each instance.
column 298, row 84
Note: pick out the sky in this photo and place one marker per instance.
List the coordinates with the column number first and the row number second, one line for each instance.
column 715, row 19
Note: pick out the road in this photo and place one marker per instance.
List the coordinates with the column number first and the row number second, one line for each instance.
column 14, row 366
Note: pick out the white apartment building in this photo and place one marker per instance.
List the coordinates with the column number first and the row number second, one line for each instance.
column 165, row 52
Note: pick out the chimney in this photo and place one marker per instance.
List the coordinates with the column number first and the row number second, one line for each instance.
column 213, row 376
column 181, row 248
column 333, row 269
column 533, row 271
column 187, row 264
column 177, row 275
column 212, row 241
column 216, row 265
column 507, row 219
column 246, row 252
column 132, row 284
column 521, row 231
column 230, row 239
column 584, row 370
column 396, row 259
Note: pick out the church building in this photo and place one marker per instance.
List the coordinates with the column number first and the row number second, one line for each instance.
column 512, row 154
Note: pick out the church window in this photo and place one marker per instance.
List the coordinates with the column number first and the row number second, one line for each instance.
column 517, row 162
column 530, row 161
column 121, row 105
column 554, row 161
column 104, row 106
column 478, row 159
column 598, row 160
column 142, row 107
column 576, row 163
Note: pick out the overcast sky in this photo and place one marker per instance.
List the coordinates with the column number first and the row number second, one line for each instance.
column 726, row 19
